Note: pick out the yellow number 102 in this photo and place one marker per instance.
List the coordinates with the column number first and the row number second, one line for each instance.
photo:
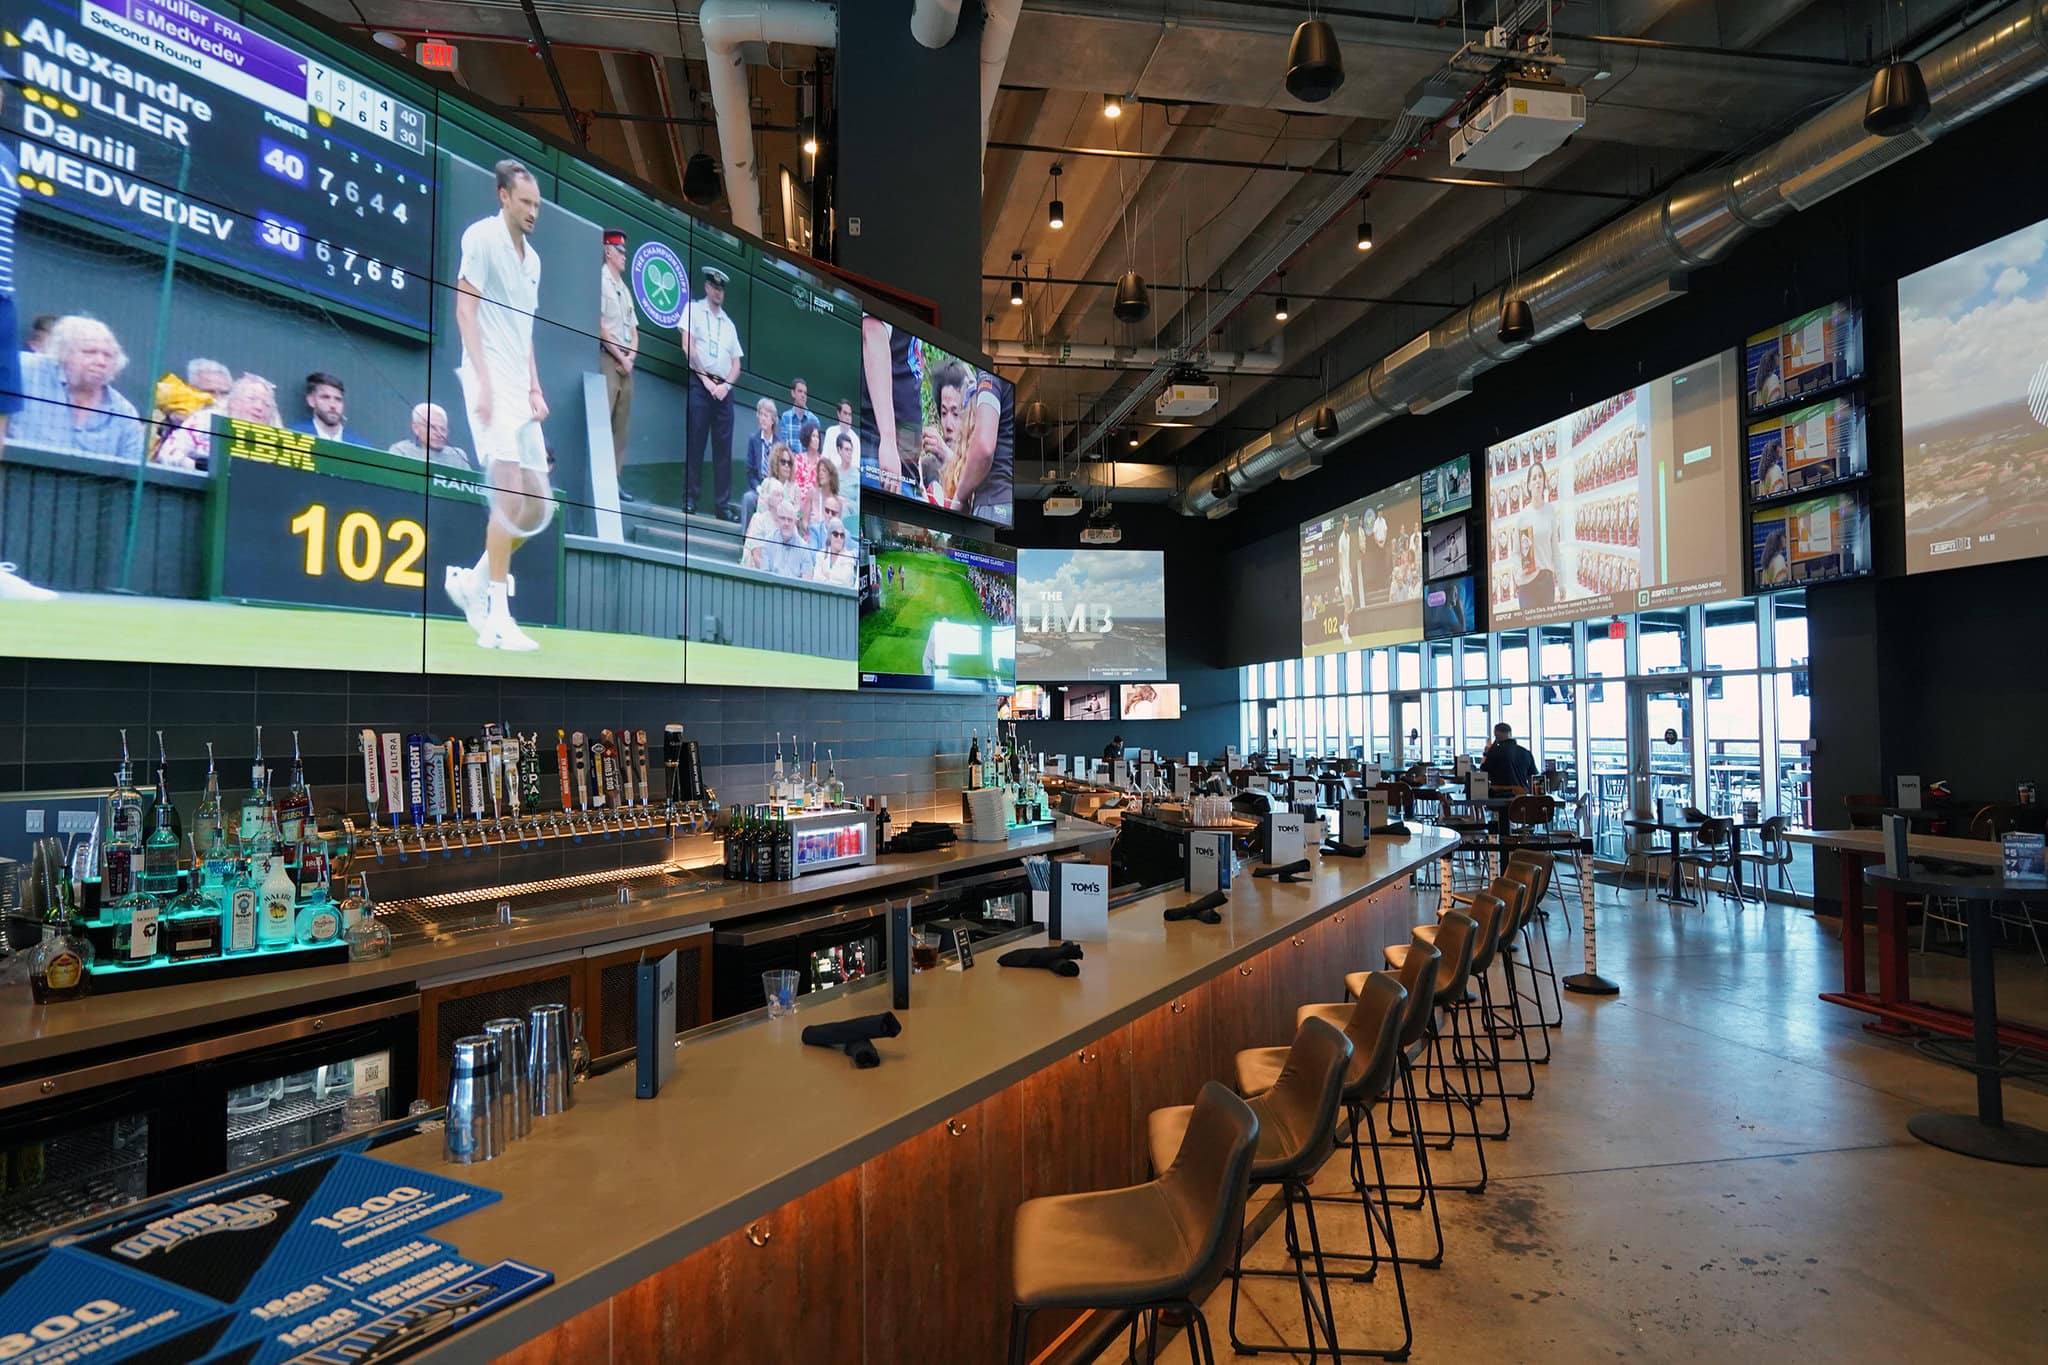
column 359, row 546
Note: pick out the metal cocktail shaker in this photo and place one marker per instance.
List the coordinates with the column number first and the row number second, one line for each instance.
column 472, row 1132
column 515, row 1092
column 547, row 1059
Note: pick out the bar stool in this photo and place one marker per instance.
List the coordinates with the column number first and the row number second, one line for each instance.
column 1497, row 910
column 1517, row 886
column 1147, row 1248
column 1376, row 1031
column 1457, row 941
column 1297, row 1125
column 1535, row 930
column 1418, row 1017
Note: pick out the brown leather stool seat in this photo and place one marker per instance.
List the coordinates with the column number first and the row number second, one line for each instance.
column 1146, row 1247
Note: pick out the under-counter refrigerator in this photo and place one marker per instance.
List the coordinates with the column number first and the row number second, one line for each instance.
column 87, row 1135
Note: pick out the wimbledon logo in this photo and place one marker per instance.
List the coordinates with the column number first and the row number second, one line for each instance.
column 660, row 284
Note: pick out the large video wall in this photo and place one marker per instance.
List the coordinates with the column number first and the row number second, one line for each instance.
column 1361, row 572
column 313, row 364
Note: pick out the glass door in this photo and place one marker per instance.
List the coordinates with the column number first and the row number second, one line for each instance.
column 1661, row 745
column 1607, row 767
column 1407, row 738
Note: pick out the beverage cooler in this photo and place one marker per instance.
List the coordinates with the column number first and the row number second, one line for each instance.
column 81, row 1138
column 826, row 946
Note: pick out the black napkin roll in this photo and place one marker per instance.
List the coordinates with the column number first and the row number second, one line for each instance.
column 1061, row 960
column 1203, row 909
column 861, row 1030
column 863, row 1053
column 1282, row 869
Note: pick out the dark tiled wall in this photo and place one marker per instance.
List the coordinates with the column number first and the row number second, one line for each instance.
column 60, row 726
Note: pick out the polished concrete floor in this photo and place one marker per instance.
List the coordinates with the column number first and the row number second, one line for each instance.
column 1715, row 1167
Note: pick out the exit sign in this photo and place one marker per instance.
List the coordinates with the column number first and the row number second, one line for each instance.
column 436, row 55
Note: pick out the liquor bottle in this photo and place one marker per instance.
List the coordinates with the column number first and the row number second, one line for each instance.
column 319, row 919
column 163, row 790
column 243, row 905
column 974, row 760
column 785, row 851
column 814, row 795
column 295, row 807
column 778, row 787
column 732, row 847
column 206, row 819
column 882, row 824
column 835, row 790
column 160, row 854
column 258, row 825
column 60, row 967
column 136, row 918
column 121, row 842
column 367, row 937
column 191, row 924
column 277, row 904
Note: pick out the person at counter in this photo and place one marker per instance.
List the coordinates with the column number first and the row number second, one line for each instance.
column 1506, row 763
column 1113, row 750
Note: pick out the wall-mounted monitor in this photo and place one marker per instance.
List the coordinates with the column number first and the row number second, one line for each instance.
column 1814, row 541
column 338, row 378
column 1446, row 548
column 1973, row 365
column 935, row 427
column 1091, row 614
column 1803, row 357
column 1629, row 504
column 1087, row 701
column 1449, row 608
column 1028, row 702
column 1361, row 573
column 938, row 611
column 1149, row 701
column 1447, row 488
column 1808, row 448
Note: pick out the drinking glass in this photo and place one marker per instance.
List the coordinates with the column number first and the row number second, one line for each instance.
column 780, row 989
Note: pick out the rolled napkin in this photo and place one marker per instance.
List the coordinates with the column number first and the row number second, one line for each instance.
column 861, row 1030
column 863, row 1054
column 1282, row 870
column 1203, row 909
column 1062, row 959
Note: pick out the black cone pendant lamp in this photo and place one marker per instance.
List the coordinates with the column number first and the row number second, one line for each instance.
column 1517, row 322
column 1326, row 423
column 1133, row 303
column 1897, row 100
column 1315, row 64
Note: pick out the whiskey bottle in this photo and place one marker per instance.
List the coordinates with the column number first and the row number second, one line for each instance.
column 191, row 925
column 295, row 807
column 258, row 825
column 206, row 819
column 60, row 967
column 121, row 844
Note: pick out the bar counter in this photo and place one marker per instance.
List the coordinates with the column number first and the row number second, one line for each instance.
column 35, row 1033
column 774, row 1203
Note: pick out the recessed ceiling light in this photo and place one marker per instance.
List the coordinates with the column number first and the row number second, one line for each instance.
column 1112, row 106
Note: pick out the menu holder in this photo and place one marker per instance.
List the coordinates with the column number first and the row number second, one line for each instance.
column 1353, row 822
column 654, row 1055
column 1284, row 839
column 1909, row 793
column 1208, row 861
column 1896, row 858
column 2025, row 857
column 1078, row 905
column 899, row 955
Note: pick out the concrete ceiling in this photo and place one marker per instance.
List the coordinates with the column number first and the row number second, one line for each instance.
column 1672, row 85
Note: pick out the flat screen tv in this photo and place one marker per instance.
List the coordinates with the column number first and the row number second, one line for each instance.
column 1973, row 367
column 339, row 377
column 1149, row 701
column 1087, row 701
column 1808, row 448
column 1803, row 356
column 935, row 427
column 1361, row 572
column 1445, row 548
column 1097, row 614
column 1814, row 541
column 1028, row 702
column 938, row 611
column 1449, row 608
column 1629, row 504
column 1447, row 488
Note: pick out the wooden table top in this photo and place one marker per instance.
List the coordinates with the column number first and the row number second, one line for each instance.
column 1982, row 852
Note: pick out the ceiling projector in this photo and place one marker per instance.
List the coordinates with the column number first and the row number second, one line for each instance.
column 1062, row 500
column 1187, row 400
column 1518, row 126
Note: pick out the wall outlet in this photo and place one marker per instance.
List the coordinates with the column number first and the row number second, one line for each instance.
column 34, row 820
column 74, row 821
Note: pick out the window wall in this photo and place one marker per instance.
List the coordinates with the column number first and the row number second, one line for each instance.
column 1735, row 672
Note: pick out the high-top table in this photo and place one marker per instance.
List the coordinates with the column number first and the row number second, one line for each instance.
column 1985, row 1135
column 1898, row 1014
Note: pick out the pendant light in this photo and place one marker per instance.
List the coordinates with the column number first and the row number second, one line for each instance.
column 1017, row 279
column 1365, row 234
column 1133, row 302
column 1315, row 64
column 1280, row 300
column 1056, row 212
column 1326, row 428
column 1517, row 321
column 1112, row 106
column 1036, row 419
column 1898, row 93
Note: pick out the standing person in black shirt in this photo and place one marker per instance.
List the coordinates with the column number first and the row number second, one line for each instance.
column 1506, row 763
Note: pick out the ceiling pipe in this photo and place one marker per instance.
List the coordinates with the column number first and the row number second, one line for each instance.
column 726, row 24
column 933, row 22
column 1075, row 355
column 1693, row 224
column 998, row 26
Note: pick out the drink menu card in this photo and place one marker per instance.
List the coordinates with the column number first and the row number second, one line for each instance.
column 316, row 1261
column 2026, row 857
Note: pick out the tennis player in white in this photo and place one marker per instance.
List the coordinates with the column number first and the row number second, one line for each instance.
column 497, row 291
